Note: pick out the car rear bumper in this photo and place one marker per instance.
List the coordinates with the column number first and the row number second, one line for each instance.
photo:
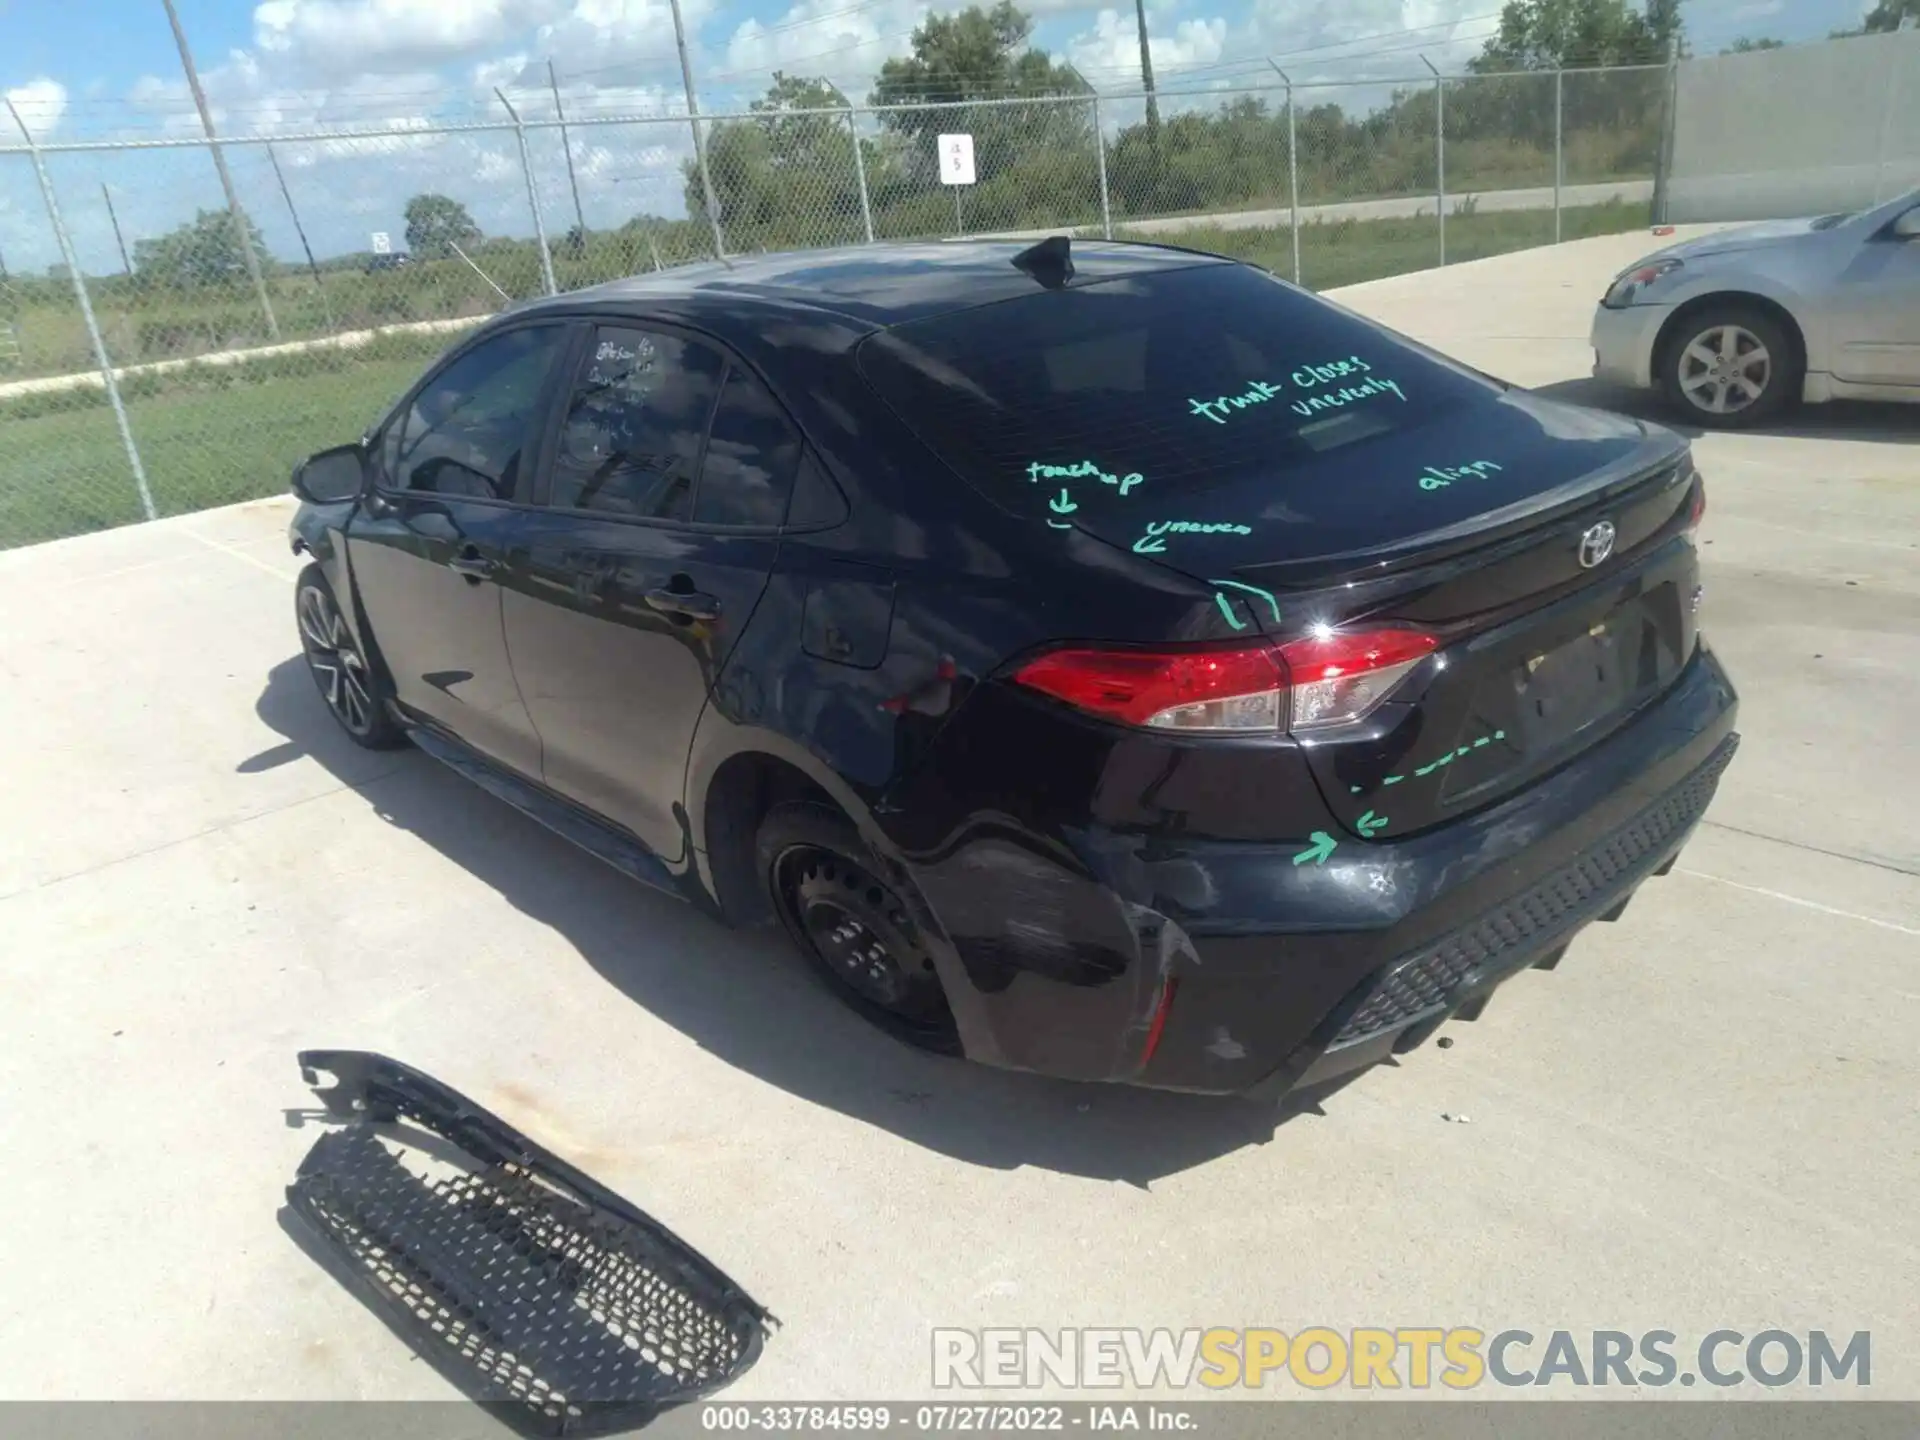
column 1231, row 968
column 1623, row 342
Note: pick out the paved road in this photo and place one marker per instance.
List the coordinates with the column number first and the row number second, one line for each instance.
column 1484, row 201
column 1704, row 1118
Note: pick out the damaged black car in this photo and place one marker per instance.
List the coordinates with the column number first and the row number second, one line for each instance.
column 1103, row 659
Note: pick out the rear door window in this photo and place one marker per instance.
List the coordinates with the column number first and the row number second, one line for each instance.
column 638, row 412
column 1190, row 379
column 751, row 453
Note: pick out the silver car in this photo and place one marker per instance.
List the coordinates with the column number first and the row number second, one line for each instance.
column 1733, row 326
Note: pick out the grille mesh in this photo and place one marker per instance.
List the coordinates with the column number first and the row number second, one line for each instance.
column 1517, row 930
column 563, row 1316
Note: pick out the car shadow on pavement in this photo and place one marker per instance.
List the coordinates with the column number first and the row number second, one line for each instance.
column 1840, row 420
column 744, row 997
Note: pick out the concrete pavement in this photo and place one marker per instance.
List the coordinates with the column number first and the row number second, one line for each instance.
column 1705, row 1118
column 1534, row 197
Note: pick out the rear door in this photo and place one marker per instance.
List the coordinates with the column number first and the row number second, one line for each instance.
column 658, row 528
column 452, row 478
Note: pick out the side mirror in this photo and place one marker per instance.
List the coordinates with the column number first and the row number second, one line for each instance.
column 332, row 476
column 1907, row 227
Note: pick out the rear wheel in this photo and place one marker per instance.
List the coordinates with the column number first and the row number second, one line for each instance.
column 850, row 924
column 1730, row 365
column 355, row 688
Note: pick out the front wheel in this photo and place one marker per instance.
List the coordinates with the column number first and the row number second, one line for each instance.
column 354, row 687
column 851, row 926
column 1728, row 366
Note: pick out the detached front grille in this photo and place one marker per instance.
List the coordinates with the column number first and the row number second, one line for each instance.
column 1520, row 929
column 538, row 1292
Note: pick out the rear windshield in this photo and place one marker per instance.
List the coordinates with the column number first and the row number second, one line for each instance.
column 1181, row 380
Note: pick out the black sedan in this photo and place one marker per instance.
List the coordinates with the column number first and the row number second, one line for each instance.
column 1103, row 659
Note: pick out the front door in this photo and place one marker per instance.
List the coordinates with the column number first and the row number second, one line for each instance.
column 659, row 529
column 427, row 550
column 1876, row 313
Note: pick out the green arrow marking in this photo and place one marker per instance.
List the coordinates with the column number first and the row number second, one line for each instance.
column 1149, row 545
column 1227, row 610
column 1266, row 595
column 1370, row 825
column 1323, row 846
column 1062, row 504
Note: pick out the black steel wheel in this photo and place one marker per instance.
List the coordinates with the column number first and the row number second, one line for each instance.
column 354, row 687
column 851, row 926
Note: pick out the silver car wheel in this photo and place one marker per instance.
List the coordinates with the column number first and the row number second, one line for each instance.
column 1724, row 369
column 336, row 664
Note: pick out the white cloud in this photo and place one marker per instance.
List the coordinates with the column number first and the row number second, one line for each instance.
column 821, row 37
column 359, row 36
column 41, row 103
column 1113, row 45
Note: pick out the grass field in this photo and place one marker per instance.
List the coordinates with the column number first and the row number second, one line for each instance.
column 212, row 437
column 66, row 472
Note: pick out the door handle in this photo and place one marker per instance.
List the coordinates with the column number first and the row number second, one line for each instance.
column 472, row 566
column 690, row 604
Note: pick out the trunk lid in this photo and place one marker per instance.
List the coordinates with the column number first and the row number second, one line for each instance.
column 1541, row 654
column 1317, row 470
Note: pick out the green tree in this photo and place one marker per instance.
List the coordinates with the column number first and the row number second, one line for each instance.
column 785, row 177
column 1022, row 154
column 1746, row 45
column 1886, row 16
column 975, row 54
column 436, row 223
column 1552, row 34
column 204, row 251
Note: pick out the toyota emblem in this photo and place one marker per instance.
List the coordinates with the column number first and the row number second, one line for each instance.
column 1596, row 544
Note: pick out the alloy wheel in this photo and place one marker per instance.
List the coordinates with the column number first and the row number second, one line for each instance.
column 337, row 665
column 1725, row 369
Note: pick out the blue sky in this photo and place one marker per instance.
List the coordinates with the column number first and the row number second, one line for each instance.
column 90, row 69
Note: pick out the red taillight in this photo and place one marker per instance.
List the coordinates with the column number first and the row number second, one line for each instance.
column 1154, row 687
column 1320, row 680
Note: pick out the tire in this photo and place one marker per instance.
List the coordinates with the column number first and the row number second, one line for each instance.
column 356, row 690
column 1735, row 356
column 850, row 926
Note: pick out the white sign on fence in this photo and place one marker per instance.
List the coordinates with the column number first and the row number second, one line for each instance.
column 382, row 245
column 956, row 160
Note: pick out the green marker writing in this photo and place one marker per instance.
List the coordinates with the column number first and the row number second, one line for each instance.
column 1266, row 595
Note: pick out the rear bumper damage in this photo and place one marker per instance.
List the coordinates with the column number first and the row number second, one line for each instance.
column 536, row 1290
column 1283, row 974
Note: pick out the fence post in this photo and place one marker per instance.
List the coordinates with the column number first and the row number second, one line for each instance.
column 1100, row 154
column 1293, row 169
column 533, row 194
column 1669, row 107
column 860, row 174
column 1559, row 146
column 1892, row 47
column 699, row 139
column 86, row 313
column 241, row 231
column 1439, row 152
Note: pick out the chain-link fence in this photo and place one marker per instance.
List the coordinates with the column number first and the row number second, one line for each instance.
column 163, row 350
